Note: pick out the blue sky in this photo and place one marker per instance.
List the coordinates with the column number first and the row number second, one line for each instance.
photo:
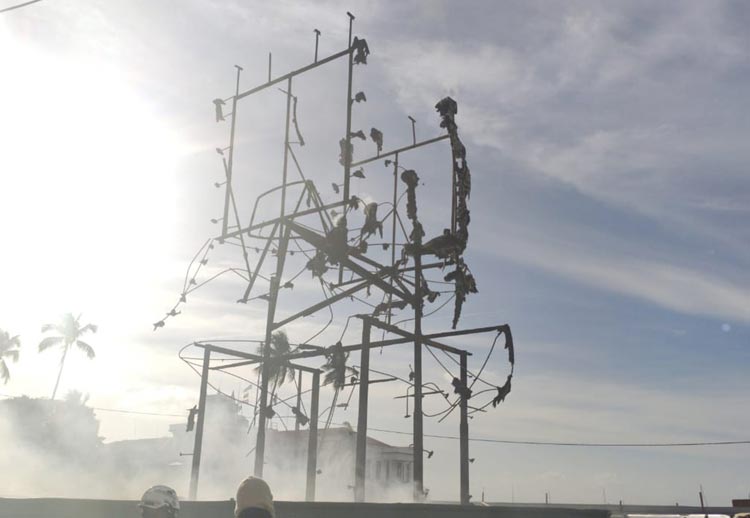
column 609, row 227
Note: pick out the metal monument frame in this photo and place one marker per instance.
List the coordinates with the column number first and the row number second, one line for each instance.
column 366, row 273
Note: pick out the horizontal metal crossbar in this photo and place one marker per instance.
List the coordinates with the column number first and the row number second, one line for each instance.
column 293, row 73
column 274, row 221
column 249, row 356
column 400, row 150
column 406, row 334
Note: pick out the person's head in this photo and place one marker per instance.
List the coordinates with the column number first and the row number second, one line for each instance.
column 254, row 499
column 159, row 502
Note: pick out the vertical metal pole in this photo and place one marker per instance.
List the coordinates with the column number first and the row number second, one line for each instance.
column 299, row 400
column 197, row 448
column 228, row 188
column 286, row 147
column 454, row 195
column 364, row 387
column 317, row 36
column 348, row 137
column 269, row 66
column 393, row 231
column 464, row 435
column 418, row 418
column 260, row 441
column 312, row 443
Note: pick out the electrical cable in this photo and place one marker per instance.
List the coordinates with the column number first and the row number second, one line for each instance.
column 492, row 348
column 18, row 6
column 576, row 444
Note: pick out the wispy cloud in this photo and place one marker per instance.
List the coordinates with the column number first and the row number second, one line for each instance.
column 607, row 100
column 603, row 266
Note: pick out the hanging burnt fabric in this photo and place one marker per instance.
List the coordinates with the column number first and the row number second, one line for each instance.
column 377, row 136
column 336, row 370
column 294, row 121
column 191, row 418
column 464, row 284
column 218, row 103
column 345, row 153
column 461, row 389
column 410, row 178
column 361, row 51
column 502, row 392
column 444, row 246
column 417, row 233
column 301, row 418
column 371, row 222
column 317, row 265
column 268, row 412
column 448, row 109
column 358, row 134
column 430, row 295
column 509, row 345
column 337, row 246
column 354, row 202
column 386, row 307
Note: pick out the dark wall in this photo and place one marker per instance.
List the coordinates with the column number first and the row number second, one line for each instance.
column 70, row 508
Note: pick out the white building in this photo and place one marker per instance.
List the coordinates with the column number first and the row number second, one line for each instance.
column 388, row 470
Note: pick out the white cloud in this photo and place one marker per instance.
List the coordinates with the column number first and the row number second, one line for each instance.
column 603, row 264
column 621, row 103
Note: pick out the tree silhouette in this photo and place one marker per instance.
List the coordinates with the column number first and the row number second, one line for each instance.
column 279, row 369
column 68, row 330
column 9, row 348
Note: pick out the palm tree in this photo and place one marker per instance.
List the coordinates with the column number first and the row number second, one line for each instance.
column 68, row 330
column 279, row 369
column 9, row 346
column 336, row 370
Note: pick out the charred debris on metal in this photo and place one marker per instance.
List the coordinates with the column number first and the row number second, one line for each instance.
column 381, row 256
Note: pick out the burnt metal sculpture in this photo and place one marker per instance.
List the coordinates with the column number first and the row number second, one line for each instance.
column 344, row 267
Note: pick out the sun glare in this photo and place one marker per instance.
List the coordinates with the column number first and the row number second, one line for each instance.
column 87, row 183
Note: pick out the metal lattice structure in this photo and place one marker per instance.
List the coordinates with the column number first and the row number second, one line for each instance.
column 342, row 262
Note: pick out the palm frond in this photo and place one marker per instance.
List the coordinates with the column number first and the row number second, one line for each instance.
column 49, row 327
column 279, row 369
column 8, row 343
column 4, row 372
column 86, row 348
column 88, row 327
column 12, row 354
column 50, row 341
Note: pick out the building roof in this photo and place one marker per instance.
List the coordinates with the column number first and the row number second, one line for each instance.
column 296, row 435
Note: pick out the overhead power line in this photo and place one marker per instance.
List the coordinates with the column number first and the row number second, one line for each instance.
column 578, row 444
column 117, row 410
column 136, row 412
column 18, row 6
column 491, row 440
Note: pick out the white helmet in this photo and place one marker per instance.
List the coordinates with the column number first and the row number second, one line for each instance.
column 158, row 497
